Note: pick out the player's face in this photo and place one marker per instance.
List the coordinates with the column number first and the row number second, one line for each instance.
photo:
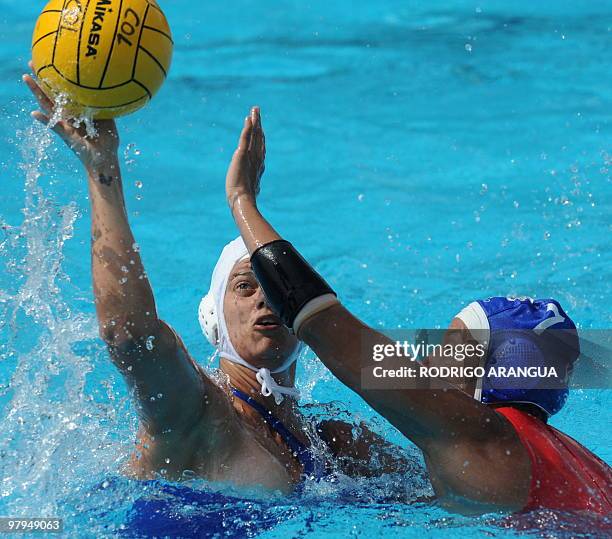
column 257, row 334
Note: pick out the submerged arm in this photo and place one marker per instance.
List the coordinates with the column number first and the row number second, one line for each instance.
column 361, row 452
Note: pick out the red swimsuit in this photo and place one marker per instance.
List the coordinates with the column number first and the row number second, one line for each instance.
column 564, row 474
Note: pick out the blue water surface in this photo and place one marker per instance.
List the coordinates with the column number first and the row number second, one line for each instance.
column 420, row 154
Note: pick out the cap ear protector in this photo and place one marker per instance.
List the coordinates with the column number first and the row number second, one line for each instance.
column 207, row 314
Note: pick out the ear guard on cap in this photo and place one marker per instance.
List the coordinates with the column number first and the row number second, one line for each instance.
column 207, row 314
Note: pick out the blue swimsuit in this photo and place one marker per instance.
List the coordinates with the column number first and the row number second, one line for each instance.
column 162, row 513
column 313, row 468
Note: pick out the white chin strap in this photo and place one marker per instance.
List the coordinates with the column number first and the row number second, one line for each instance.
column 269, row 387
column 212, row 322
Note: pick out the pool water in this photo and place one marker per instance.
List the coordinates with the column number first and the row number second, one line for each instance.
column 421, row 155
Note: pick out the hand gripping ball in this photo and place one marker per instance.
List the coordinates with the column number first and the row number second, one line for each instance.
column 108, row 57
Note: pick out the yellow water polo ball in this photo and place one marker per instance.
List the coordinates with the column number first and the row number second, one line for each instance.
column 108, row 57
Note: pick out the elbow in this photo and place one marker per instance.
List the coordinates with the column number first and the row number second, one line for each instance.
column 114, row 331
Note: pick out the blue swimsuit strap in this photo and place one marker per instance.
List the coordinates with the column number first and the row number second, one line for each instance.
column 303, row 454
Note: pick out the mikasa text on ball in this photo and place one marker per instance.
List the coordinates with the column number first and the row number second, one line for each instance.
column 109, row 57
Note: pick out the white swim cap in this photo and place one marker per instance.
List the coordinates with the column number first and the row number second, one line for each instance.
column 212, row 322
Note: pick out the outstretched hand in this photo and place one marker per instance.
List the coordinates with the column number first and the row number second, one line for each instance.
column 248, row 163
column 94, row 152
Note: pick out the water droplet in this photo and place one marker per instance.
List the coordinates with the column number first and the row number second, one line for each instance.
column 546, row 235
column 167, row 461
column 138, row 184
column 149, row 343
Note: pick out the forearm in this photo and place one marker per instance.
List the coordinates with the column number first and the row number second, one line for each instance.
column 124, row 300
column 335, row 336
column 360, row 451
column 424, row 414
column 254, row 228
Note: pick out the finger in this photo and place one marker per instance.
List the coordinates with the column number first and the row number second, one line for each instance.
column 40, row 117
column 45, row 103
column 256, row 117
column 258, row 142
column 263, row 142
column 245, row 136
column 69, row 134
column 252, row 121
column 264, row 150
column 62, row 128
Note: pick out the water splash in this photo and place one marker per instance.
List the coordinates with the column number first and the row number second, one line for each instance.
column 53, row 427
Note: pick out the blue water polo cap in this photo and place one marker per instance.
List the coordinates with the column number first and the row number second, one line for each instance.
column 523, row 335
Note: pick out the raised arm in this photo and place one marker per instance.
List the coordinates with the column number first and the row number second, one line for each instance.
column 168, row 387
column 334, row 334
column 449, row 426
